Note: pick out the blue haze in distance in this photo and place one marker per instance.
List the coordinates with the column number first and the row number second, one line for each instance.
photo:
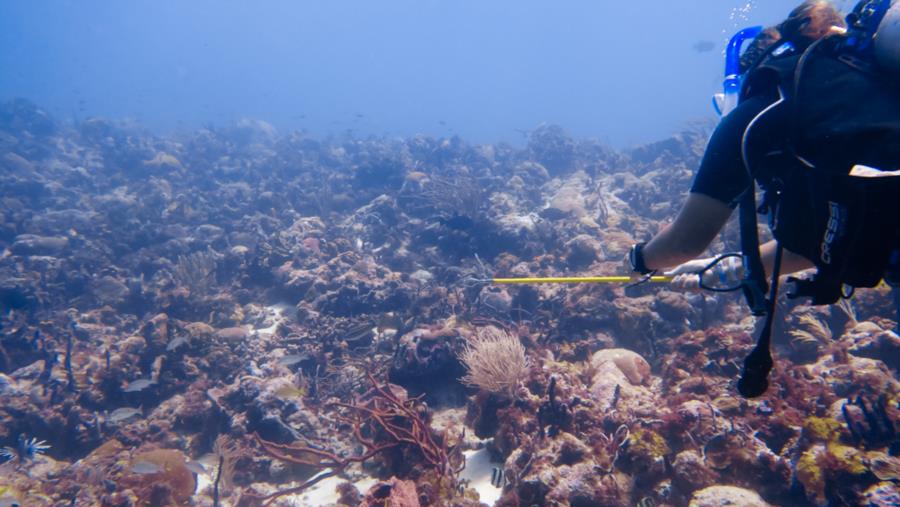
column 624, row 72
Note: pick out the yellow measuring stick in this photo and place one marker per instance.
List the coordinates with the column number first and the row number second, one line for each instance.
column 578, row 279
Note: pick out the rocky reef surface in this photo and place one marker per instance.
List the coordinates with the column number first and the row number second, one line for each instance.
column 234, row 316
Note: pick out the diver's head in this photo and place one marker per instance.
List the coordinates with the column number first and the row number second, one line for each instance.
column 887, row 39
column 810, row 21
column 758, row 47
column 807, row 23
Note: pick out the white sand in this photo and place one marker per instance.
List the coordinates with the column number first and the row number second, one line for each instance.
column 276, row 314
column 324, row 493
column 478, row 472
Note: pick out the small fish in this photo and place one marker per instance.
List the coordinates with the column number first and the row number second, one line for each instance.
column 292, row 359
column 616, row 396
column 175, row 343
column 122, row 414
column 98, row 424
column 208, row 460
column 146, row 468
column 646, row 502
column 288, row 392
column 457, row 222
column 497, row 477
column 704, row 46
column 553, row 214
column 139, row 385
column 196, row 467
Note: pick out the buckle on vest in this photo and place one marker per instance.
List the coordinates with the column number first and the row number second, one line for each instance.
column 822, row 292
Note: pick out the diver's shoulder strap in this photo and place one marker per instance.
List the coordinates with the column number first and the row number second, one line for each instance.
column 844, row 110
column 774, row 70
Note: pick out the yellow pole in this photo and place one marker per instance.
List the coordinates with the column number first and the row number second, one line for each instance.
column 578, row 279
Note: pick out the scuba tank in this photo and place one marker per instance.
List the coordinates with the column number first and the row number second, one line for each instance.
column 874, row 33
column 726, row 101
column 887, row 40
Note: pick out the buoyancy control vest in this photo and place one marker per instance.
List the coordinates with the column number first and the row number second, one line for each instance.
column 834, row 111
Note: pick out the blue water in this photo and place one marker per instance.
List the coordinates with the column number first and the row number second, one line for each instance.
column 624, row 72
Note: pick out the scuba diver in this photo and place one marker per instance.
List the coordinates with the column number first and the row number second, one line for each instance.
column 810, row 110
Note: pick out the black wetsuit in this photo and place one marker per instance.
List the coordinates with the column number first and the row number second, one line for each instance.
column 722, row 174
column 723, row 177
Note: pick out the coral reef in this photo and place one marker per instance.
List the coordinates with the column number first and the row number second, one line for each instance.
column 238, row 316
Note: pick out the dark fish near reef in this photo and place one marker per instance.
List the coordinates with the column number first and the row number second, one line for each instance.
column 704, row 46
column 457, row 222
column 360, row 336
column 122, row 414
column 146, row 468
column 139, row 385
column 553, row 214
column 646, row 502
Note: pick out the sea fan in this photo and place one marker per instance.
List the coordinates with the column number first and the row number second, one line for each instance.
column 495, row 361
column 816, row 331
column 846, row 306
column 27, row 449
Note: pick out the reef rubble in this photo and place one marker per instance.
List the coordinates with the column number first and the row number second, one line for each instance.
column 237, row 316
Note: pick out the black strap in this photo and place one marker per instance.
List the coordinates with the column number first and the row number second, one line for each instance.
column 754, row 281
column 636, row 258
column 754, row 379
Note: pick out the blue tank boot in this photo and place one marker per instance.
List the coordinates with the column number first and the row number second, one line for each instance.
column 724, row 102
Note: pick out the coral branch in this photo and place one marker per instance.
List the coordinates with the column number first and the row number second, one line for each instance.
column 381, row 420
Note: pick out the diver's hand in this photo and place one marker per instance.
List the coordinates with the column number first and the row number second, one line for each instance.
column 686, row 275
column 726, row 273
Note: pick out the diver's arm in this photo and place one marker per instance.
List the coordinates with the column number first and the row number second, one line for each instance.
column 790, row 262
column 696, row 225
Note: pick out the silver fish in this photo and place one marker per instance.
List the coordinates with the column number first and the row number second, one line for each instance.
column 121, row 414
column 209, row 459
column 292, row 359
column 139, row 385
column 175, row 343
column 196, row 467
column 146, row 468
